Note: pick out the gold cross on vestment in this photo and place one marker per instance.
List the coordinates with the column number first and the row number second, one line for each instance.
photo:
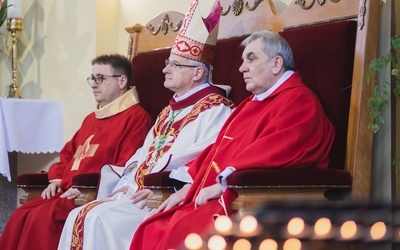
column 83, row 151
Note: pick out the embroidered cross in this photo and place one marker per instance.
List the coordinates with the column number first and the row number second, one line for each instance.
column 83, row 151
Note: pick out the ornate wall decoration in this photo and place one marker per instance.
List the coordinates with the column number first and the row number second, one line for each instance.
column 237, row 7
column 164, row 26
column 303, row 5
column 361, row 15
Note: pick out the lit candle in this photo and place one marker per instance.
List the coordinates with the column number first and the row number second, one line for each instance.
column 268, row 244
column 216, row 242
column 248, row 225
column 223, row 225
column 348, row 229
column 193, row 241
column 242, row 244
column 15, row 8
column 322, row 227
column 296, row 226
column 292, row 244
column 378, row 230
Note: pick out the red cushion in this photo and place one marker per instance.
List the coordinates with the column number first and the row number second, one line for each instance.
column 148, row 78
column 159, row 180
column 227, row 60
column 290, row 178
column 39, row 180
column 89, row 181
column 324, row 56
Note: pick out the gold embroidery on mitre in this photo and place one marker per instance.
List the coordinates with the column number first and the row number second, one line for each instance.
column 83, row 151
column 198, row 36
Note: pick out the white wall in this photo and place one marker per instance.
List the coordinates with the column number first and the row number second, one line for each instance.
column 54, row 49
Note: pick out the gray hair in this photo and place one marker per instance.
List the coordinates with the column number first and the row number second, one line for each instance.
column 206, row 74
column 273, row 45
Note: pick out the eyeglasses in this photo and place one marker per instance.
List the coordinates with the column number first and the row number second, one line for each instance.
column 99, row 78
column 176, row 65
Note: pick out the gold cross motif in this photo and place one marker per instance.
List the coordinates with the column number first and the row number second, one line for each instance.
column 83, row 151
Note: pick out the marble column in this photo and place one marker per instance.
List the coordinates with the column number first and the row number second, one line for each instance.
column 8, row 192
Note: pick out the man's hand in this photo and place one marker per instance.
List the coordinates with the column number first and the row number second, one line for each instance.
column 142, row 195
column 51, row 190
column 123, row 190
column 208, row 193
column 71, row 193
column 175, row 199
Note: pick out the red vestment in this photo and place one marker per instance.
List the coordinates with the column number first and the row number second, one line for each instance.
column 288, row 129
column 109, row 140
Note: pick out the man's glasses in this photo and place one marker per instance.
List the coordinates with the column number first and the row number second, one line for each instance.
column 99, row 78
column 176, row 65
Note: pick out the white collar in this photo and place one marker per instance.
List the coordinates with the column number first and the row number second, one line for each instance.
column 267, row 93
column 191, row 92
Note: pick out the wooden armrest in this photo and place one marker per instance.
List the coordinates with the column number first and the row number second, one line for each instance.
column 33, row 185
column 161, row 186
column 257, row 186
column 87, row 185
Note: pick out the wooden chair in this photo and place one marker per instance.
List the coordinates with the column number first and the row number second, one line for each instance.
column 333, row 42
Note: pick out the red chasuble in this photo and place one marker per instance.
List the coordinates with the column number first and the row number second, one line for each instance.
column 286, row 130
column 110, row 140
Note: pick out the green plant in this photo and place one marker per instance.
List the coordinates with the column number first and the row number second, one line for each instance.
column 3, row 12
column 380, row 93
column 379, row 97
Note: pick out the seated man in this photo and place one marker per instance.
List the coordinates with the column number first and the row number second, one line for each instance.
column 281, row 126
column 108, row 135
column 183, row 129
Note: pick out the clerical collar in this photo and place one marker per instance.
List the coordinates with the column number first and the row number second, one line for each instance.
column 194, row 90
column 267, row 93
column 125, row 101
column 195, row 97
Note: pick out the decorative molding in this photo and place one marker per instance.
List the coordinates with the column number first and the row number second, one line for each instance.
column 237, row 7
column 303, row 5
column 164, row 26
column 361, row 14
column 255, row 5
